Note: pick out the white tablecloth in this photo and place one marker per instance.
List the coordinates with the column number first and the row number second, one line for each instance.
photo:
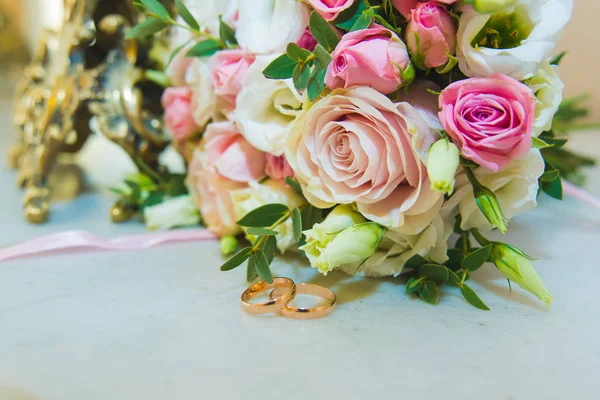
column 166, row 323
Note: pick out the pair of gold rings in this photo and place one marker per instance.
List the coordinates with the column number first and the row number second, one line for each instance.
column 284, row 291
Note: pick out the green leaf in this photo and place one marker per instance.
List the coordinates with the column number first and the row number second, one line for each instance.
column 226, row 33
column 147, row 28
column 269, row 247
column 323, row 32
column 154, row 198
column 453, row 279
column 186, row 15
column 237, row 260
column 264, row 216
column 205, row 48
column 322, row 56
column 155, row 7
column 550, row 175
column 455, row 257
column 301, row 76
column 316, row 83
column 297, row 53
column 294, row 185
column 474, row 261
column 297, row 223
column 412, row 285
column 540, row 144
column 433, row 272
column 251, row 274
column 261, row 231
column 558, row 58
column 310, row 216
column 347, row 18
column 262, row 267
column 364, row 21
column 415, row 262
column 430, row 292
column 175, row 52
column 470, row 295
column 176, row 185
column 553, row 189
column 280, row 68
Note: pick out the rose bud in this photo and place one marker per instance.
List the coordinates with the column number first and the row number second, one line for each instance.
column 430, row 35
column 330, row 10
column 373, row 57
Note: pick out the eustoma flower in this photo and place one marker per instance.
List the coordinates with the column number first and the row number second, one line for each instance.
column 489, row 119
column 548, row 89
column 431, row 35
column 513, row 42
column 356, row 146
column 265, row 108
column 515, row 186
column 345, row 237
column 373, row 57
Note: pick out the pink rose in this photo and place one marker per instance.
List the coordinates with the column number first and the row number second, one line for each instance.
column 307, row 40
column 227, row 70
column 179, row 117
column 406, row 6
column 212, row 193
column 368, row 57
column 278, row 167
column 436, row 31
column 230, row 155
column 356, row 146
column 330, row 9
column 489, row 119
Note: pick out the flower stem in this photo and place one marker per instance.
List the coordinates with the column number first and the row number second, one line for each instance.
column 479, row 237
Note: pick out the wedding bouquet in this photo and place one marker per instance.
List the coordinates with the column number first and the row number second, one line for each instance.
column 366, row 133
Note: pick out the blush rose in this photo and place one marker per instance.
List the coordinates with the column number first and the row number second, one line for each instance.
column 489, row 119
column 179, row 115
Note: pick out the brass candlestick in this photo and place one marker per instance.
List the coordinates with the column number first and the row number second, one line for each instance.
column 85, row 72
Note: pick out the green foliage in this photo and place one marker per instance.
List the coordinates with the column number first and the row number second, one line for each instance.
column 301, row 76
column 154, row 7
column 297, row 224
column 323, row 32
column 147, row 28
column 237, row 260
column 256, row 231
column 281, row 68
column 297, row 53
column 205, row 48
column 472, row 297
column 265, row 216
column 476, row 259
column 186, row 15
column 487, row 202
column 294, row 185
column 226, row 33
column 348, row 17
column 316, row 83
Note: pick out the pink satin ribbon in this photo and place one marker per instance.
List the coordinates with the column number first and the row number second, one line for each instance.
column 580, row 194
column 82, row 240
column 61, row 242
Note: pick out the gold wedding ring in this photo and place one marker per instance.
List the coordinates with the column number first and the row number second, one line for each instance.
column 308, row 313
column 286, row 288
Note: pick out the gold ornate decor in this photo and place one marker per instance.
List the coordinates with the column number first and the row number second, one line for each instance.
column 87, row 73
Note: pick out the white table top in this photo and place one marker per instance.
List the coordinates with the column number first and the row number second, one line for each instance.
column 166, row 323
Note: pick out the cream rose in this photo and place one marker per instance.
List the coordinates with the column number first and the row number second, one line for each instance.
column 396, row 249
column 356, row 146
column 269, row 192
column 267, row 26
column 548, row 89
column 265, row 108
column 515, row 186
column 538, row 25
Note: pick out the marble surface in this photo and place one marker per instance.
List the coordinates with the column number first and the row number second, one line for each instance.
column 166, row 323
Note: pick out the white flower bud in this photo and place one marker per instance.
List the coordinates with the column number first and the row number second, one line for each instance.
column 178, row 211
column 442, row 164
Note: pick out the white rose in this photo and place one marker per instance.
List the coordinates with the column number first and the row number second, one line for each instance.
column 178, row 211
column 515, row 186
column 269, row 192
column 548, row 89
column 544, row 18
column 265, row 108
column 397, row 248
column 267, row 26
